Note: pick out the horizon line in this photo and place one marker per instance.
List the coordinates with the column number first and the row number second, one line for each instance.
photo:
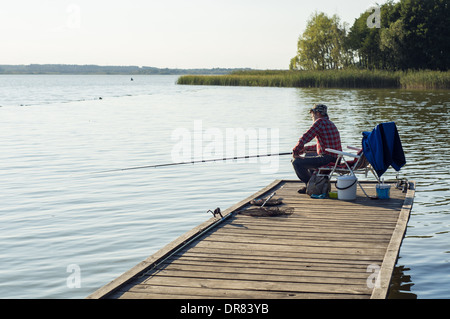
column 135, row 66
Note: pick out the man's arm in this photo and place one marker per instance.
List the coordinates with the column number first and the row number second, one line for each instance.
column 306, row 138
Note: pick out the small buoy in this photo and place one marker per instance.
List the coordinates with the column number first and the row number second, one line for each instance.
column 100, row 98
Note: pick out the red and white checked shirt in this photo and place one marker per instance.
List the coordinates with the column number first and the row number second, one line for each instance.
column 326, row 134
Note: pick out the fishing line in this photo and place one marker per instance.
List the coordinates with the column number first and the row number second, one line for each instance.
column 192, row 162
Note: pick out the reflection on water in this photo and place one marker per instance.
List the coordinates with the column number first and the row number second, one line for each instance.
column 401, row 284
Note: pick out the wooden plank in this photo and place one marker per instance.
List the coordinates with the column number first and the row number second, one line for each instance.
column 286, row 257
column 310, row 228
column 224, row 265
column 252, row 285
column 294, row 222
column 307, row 247
column 175, row 292
column 306, row 233
column 215, row 271
column 291, row 242
column 262, row 277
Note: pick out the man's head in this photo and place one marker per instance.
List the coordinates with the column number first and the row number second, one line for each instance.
column 319, row 110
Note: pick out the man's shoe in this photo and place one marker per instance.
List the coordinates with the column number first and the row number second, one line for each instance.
column 302, row 190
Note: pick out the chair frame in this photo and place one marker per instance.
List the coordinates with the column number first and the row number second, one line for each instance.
column 351, row 169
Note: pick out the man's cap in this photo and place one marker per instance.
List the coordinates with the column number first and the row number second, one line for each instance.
column 321, row 108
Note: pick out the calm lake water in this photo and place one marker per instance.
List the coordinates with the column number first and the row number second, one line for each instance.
column 67, row 230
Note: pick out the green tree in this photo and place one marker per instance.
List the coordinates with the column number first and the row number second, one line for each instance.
column 426, row 27
column 391, row 44
column 365, row 42
column 362, row 41
column 414, row 34
column 321, row 46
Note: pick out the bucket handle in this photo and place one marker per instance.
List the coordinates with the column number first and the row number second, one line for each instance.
column 344, row 188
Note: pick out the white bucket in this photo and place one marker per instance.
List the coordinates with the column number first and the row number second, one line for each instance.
column 346, row 186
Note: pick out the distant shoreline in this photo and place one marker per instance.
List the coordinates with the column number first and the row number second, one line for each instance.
column 73, row 69
column 347, row 78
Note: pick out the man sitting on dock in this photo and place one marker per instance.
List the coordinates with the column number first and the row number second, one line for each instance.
column 327, row 136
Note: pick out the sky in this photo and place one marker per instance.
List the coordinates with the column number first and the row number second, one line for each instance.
column 259, row 34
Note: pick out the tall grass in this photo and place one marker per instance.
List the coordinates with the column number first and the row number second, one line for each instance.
column 351, row 78
column 425, row 80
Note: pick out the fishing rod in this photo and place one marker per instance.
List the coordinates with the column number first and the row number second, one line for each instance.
column 194, row 162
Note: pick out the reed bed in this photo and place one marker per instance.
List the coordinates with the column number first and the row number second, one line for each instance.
column 425, row 80
column 351, row 78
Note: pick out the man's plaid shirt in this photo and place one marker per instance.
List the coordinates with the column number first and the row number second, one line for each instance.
column 326, row 134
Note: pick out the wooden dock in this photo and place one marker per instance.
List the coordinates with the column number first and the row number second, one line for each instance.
column 327, row 248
